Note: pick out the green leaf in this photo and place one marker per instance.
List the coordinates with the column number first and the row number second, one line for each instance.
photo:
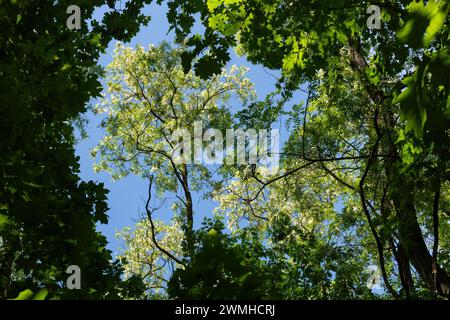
column 41, row 295
column 65, row 66
column 213, row 4
column 423, row 22
column 436, row 23
column 413, row 102
column 26, row 294
column 3, row 220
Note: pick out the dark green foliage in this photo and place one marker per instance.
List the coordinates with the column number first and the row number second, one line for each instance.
column 48, row 217
column 222, row 267
column 295, row 266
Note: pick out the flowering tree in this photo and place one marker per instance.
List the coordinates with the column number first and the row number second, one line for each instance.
column 148, row 98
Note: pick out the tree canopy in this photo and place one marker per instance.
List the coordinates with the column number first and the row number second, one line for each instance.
column 390, row 84
column 363, row 179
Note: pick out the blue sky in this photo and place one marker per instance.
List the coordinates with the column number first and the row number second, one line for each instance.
column 126, row 197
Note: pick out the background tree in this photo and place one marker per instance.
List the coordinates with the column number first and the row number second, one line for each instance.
column 143, row 256
column 149, row 97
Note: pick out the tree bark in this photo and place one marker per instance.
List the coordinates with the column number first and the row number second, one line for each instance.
column 189, row 210
column 404, row 268
column 412, row 240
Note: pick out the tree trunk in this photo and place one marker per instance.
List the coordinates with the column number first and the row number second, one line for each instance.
column 189, row 211
column 412, row 240
column 411, row 237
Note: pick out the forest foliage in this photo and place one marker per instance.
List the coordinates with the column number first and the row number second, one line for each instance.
column 363, row 178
